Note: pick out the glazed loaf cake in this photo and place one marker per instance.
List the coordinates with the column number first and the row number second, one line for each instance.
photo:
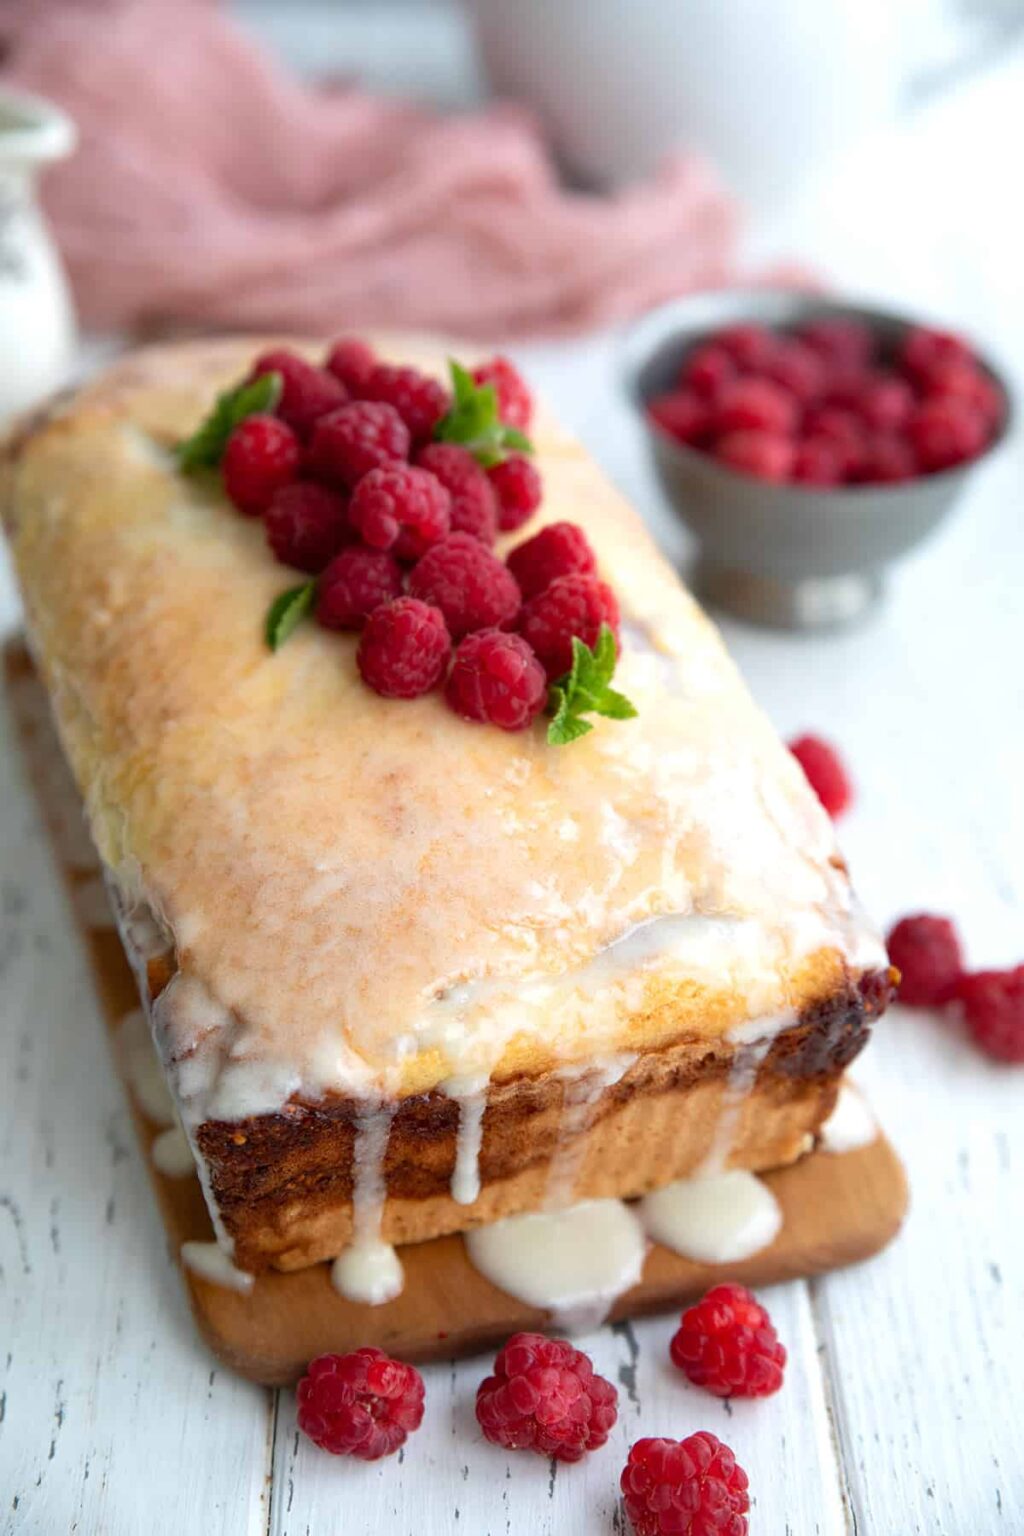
column 392, row 958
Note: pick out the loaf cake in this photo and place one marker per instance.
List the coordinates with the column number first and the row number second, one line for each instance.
column 394, row 961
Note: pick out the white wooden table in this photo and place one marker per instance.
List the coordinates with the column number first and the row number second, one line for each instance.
column 903, row 1408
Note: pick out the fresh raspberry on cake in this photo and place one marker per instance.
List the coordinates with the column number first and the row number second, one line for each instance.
column 727, row 1345
column 496, row 677
column 993, row 1003
column 544, row 1396
column 401, row 508
column 764, row 455
column 517, row 486
column 842, row 343
column 683, row 414
column 364, row 1404
column 515, row 403
column 404, row 649
column 352, row 361
column 420, row 400
column 755, row 405
column 307, row 392
column 307, row 525
column 750, row 346
column 926, row 952
column 944, row 432
column 560, row 549
column 572, row 605
column 825, row 772
column 474, row 502
column 691, row 1487
column 261, row 456
column 706, row 370
column 355, row 583
column 470, row 585
column 358, row 437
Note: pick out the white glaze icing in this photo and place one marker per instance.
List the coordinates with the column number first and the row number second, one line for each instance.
column 582, row 1092
column 210, row 1261
column 572, row 1262
column 470, row 1093
column 143, row 1070
column 370, row 1272
column 172, row 1154
column 714, row 1220
column 850, row 1125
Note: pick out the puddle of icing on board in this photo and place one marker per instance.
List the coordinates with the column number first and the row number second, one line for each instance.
column 143, row 1070
column 369, row 1270
column 210, row 1261
column 172, row 1155
column 717, row 1219
column 850, row 1125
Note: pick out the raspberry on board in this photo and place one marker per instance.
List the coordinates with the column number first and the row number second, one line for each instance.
column 515, row 403
column 825, row 772
column 307, row 392
column 261, row 456
column 307, row 525
column 757, row 452
column 469, row 584
column 349, row 442
column 495, row 677
column 401, row 508
column 926, row 951
column 691, row 1487
column 545, row 1397
column 404, row 649
column 420, row 400
column 993, row 1004
column 517, row 485
column 356, row 582
column 363, row 1404
column 557, row 550
column 474, row 503
column 352, row 361
column 727, row 1345
column 572, row 605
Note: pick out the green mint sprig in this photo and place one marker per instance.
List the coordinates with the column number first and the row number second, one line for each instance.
column 205, row 448
column 475, row 423
column 287, row 612
column 584, row 690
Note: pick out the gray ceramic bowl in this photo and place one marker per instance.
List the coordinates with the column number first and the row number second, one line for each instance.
column 783, row 555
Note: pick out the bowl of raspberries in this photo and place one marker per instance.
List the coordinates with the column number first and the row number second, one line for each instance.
column 808, row 443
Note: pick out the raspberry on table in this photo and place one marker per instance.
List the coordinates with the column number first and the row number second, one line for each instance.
column 682, row 414
column 307, row 392
column 754, row 451
column 474, row 502
column 517, row 485
column 993, row 1004
column 691, row 1487
column 363, row 1404
column 420, row 400
column 926, row 952
column 261, row 456
column 470, row 585
column 356, row 582
column 401, row 508
column 544, row 1396
column 356, row 438
column 515, row 403
column 495, row 677
column 818, row 461
column 945, row 431
column 825, row 773
column 577, row 604
column 352, row 361
column 727, row 1345
column 842, row 343
column 307, row 525
column 404, row 649
column 750, row 346
column 557, row 550
column 706, row 370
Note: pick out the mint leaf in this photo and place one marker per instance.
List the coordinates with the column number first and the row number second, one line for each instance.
column 205, row 448
column 286, row 613
column 584, row 690
column 474, row 422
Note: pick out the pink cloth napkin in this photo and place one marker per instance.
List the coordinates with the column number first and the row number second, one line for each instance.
column 211, row 187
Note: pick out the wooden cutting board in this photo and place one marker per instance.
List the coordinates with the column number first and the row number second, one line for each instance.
column 837, row 1209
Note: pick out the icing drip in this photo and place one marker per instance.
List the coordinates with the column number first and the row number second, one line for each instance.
column 850, row 1125
column 584, row 1087
column 143, row 1070
column 369, row 1270
column 714, row 1220
column 470, row 1093
column 210, row 1261
column 572, row 1262
column 172, row 1154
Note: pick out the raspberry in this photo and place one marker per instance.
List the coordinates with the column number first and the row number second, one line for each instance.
column 818, row 461
column 359, row 437
column 993, row 1004
column 262, row 454
column 364, row 1404
column 682, row 414
column 885, row 401
column 404, row 648
column 401, row 507
column 884, row 460
column 926, row 952
column 307, row 393
column 352, row 361
column 690, row 1487
column 558, row 550
column 945, row 432
column 517, row 486
column 924, row 350
column 468, row 583
column 572, row 605
column 420, row 400
column 965, row 382
column 727, row 1344
column 706, row 370
column 842, row 343
column 515, row 403
column 841, row 427
column 355, row 583
column 825, row 773
column 755, row 404
column 474, row 503
column 545, row 1397
column 765, row 455
column 796, row 367
column 307, row 525
column 497, row 678
column 749, row 346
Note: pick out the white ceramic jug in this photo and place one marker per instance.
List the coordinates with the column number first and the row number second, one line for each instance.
column 37, row 326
